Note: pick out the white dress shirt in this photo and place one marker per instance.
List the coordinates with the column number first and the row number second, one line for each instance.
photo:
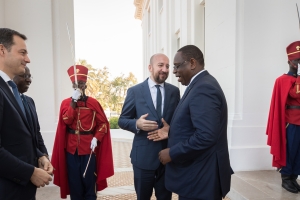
column 153, row 91
column 195, row 77
column 6, row 78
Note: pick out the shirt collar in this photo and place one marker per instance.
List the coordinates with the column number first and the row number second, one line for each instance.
column 151, row 83
column 4, row 76
column 195, row 77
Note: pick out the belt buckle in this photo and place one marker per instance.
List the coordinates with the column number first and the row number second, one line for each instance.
column 77, row 132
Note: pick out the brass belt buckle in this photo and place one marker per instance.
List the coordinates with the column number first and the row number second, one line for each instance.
column 77, row 132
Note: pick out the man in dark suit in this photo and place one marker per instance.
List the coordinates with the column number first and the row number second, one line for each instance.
column 23, row 167
column 23, row 82
column 146, row 107
column 197, row 156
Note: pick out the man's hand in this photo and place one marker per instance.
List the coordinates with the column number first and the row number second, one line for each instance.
column 40, row 178
column 164, row 156
column 146, row 125
column 46, row 165
column 94, row 143
column 76, row 94
column 160, row 134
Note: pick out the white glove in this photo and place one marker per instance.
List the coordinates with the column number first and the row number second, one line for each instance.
column 298, row 71
column 76, row 94
column 94, row 143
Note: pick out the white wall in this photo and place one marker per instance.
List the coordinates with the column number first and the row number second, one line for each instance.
column 44, row 24
column 244, row 44
column 245, row 51
column 2, row 13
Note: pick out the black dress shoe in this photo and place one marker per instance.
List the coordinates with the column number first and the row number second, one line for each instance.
column 294, row 181
column 288, row 184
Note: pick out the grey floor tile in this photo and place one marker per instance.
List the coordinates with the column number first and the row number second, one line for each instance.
column 247, row 190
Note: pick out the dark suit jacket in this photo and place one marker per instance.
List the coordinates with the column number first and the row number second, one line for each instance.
column 144, row 153
column 36, row 125
column 18, row 149
column 200, row 167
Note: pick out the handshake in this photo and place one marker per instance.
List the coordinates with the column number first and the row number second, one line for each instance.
column 76, row 94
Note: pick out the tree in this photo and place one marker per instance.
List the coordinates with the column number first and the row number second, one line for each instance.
column 119, row 87
column 110, row 93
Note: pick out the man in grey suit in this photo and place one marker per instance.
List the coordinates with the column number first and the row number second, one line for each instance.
column 23, row 167
column 197, row 159
column 147, row 106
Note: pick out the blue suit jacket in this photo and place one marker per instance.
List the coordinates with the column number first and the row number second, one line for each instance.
column 200, row 165
column 144, row 153
column 36, row 125
column 18, row 149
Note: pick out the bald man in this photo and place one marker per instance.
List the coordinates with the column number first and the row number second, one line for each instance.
column 147, row 106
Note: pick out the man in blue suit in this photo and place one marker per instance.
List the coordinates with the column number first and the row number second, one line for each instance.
column 197, row 159
column 146, row 107
column 23, row 167
column 23, row 82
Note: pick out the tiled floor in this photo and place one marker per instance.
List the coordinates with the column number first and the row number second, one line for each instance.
column 120, row 185
column 259, row 185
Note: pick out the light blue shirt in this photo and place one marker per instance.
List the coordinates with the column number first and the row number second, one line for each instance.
column 153, row 91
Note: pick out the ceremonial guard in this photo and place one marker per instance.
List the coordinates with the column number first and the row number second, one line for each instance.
column 283, row 128
column 82, row 153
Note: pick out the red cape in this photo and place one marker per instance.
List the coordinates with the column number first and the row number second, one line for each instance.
column 276, row 127
column 104, row 157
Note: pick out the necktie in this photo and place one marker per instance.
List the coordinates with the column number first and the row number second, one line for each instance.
column 17, row 95
column 27, row 110
column 158, row 101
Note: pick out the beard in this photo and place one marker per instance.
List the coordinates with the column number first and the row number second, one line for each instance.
column 159, row 79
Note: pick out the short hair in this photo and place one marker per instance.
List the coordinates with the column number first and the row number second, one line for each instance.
column 6, row 37
column 191, row 51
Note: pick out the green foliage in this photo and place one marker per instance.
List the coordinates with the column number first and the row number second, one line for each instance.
column 113, row 122
column 110, row 93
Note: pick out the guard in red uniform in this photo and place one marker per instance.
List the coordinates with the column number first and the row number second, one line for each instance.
column 82, row 153
column 283, row 128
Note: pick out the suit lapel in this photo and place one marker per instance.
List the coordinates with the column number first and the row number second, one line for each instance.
column 192, row 85
column 32, row 113
column 188, row 90
column 12, row 99
column 167, row 98
column 147, row 96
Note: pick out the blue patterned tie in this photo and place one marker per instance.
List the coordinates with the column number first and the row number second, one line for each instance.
column 17, row 95
column 158, row 101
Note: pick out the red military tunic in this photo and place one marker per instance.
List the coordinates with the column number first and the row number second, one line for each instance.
column 292, row 116
column 83, row 119
column 286, row 92
column 100, row 127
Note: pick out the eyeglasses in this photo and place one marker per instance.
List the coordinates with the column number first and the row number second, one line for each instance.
column 176, row 67
column 26, row 76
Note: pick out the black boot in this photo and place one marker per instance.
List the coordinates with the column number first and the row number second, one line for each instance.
column 288, row 184
column 294, row 181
